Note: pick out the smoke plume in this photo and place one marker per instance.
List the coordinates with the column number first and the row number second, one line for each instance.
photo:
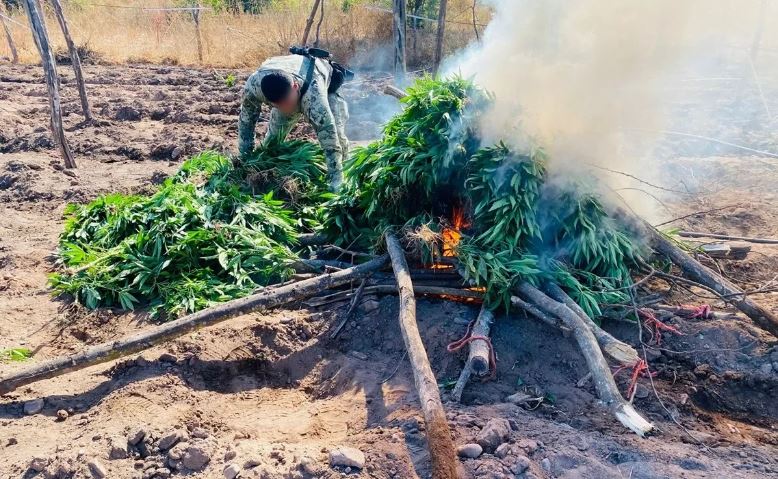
column 593, row 81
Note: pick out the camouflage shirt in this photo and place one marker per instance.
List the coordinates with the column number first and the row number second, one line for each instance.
column 314, row 106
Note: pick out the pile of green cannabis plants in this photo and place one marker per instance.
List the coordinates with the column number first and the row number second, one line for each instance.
column 211, row 233
column 520, row 226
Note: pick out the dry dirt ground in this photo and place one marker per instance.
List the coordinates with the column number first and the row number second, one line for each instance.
column 271, row 395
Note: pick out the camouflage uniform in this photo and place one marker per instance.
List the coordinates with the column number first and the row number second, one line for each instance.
column 327, row 113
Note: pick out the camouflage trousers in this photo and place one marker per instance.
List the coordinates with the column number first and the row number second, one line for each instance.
column 339, row 109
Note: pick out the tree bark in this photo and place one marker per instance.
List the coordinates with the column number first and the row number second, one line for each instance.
column 601, row 374
column 41, row 38
column 699, row 273
column 8, row 36
column 75, row 59
column 442, row 452
column 440, row 35
column 395, row 92
column 309, row 23
column 269, row 298
column 398, row 35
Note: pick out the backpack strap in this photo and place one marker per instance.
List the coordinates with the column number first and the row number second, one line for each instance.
column 308, row 76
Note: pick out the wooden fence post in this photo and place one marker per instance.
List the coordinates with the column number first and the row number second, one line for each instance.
column 75, row 59
column 309, row 23
column 441, row 34
column 8, row 37
column 196, row 18
column 398, row 28
column 41, row 38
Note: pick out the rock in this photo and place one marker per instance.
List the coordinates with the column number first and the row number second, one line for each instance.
column 369, row 306
column 168, row 358
column 177, row 452
column 309, row 465
column 195, row 458
column 641, row 392
column 529, row 445
column 520, row 464
column 496, row 431
column 159, row 113
column 347, row 457
column 163, row 473
column 199, row 433
column 33, row 407
column 176, row 153
column 230, row 455
column 518, row 398
column 135, row 436
column 38, row 464
column 503, row 450
column 97, row 469
column 127, row 113
column 231, row 471
column 118, row 448
column 471, row 450
column 766, row 368
column 546, row 464
column 62, row 415
column 169, row 440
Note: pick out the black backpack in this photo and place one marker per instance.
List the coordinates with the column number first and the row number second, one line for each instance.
column 340, row 73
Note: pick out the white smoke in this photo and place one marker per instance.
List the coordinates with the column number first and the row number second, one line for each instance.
column 587, row 79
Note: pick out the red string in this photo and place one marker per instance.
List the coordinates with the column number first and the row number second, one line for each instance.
column 467, row 338
column 655, row 325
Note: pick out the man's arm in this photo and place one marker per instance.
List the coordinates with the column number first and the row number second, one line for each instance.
column 316, row 108
column 279, row 126
column 247, row 121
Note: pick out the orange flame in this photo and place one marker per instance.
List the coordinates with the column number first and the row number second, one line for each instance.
column 452, row 236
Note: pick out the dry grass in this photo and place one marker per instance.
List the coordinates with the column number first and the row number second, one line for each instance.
column 126, row 35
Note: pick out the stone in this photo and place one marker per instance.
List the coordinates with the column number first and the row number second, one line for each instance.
column 62, row 415
column 39, row 463
column 195, row 458
column 118, row 448
column 163, row 473
column 97, row 469
column 169, row 440
column 176, row 153
column 503, row 450
column 471, row 450
column 641, row 392
column 127, row 113
column 168, row 358
column 546, row 464
column 347, row 457
column 495, row 432
column 135, row 436
column 520, row 464
column 369, row 306
column 230, row 455
column 529, row 445
column 309, row 465
column 33, row 407
column 231, row 471
column 199, row 433
column 177, row 452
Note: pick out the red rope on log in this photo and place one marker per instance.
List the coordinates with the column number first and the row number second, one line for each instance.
column 655, row 325
column 467, row 338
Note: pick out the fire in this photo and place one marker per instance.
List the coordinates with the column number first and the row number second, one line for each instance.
column 452, row 236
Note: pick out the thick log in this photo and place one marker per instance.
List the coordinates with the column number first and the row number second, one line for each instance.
column 9, row 38
column 703, row 275
column 392, row 90
column 619, row 351
column 531, row 310
column 41, row 38
column 267, row 299
column 75, row 59
column 311, row 239
column 398, row 37
column 442, row 452
column 440, row 36
column 601, row 374
column 478, row 355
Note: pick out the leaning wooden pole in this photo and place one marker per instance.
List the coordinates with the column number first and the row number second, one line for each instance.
column 478, row 357
column 440, row 36
column 75, row 59
column 9, row 38
column 705, row 276
column 198, row 37
column 52, row 81
column 603, row 378
column 442, row 452
column 309, row 23
column 267, row 299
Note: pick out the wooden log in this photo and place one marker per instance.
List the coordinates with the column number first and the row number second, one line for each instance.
column 398, row 37
column 478, row 354
column 392, row 90
column 41, row 38
column 531, row 310
column 311, row 239
column 9, row 38
column 697, row 272
column 618, row 350
column 747, row 239
column 108, row 351
column 198, row 36
column 440, row 36
column 75, row 59
column 442, row 452
column 601, row 374
column 309, row 23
